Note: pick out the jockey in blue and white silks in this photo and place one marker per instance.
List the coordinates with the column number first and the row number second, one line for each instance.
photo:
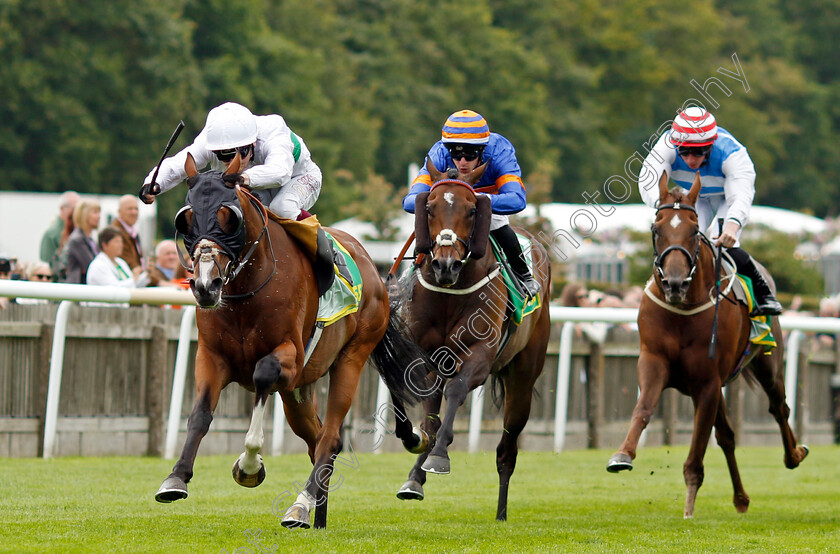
column 466, row 142
column 727, row 175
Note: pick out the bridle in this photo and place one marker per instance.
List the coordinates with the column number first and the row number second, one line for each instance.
column 659, row 258
column 235, row 263
column 448, row 237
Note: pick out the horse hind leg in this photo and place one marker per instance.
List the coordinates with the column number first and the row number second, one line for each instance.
column 518, row 394
column 705, row 409
column 726, row 439
column 769, row 371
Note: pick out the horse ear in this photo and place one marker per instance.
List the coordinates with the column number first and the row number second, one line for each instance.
column 481, row 231
column 695, row 189
column 234, row 165
column 433, row 171
column 475, row 175
column 423, row 240
column 189, row 166
column 663, row 186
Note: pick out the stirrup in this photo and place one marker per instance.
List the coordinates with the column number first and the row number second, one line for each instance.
column 770, row 306
column 531, row 286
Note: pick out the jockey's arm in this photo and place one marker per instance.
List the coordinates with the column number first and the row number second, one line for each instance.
column 279, row 163
column 739, row 186
column 172, row 169
column 659, row 159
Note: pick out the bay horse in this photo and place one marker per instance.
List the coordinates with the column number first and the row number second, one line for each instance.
column 455, row 304
column 258, row 302
column 676, row 319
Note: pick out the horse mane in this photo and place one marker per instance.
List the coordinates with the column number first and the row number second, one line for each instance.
column 677, row 194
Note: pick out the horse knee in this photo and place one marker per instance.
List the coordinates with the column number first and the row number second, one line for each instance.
column 266, row 374
column 456, row 389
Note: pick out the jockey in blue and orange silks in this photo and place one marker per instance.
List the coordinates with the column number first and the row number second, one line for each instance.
column 466, row 142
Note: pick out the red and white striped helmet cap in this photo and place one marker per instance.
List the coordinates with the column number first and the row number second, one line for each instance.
column 693, row 127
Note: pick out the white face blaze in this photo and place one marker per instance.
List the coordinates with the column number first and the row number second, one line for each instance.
column 205, row 262
column 676, row 221
column 449, row 197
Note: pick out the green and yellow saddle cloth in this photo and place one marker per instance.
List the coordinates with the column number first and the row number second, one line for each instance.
column 344, row 295
column 518, row 302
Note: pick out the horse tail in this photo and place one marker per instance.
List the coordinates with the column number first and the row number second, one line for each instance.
column 402, row 364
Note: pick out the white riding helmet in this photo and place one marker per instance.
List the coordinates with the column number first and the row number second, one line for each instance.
column 230, row 125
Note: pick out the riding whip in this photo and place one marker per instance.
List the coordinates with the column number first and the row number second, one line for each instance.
column 153, row 188
column 717, row 291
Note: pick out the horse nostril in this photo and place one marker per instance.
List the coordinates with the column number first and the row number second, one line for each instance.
column 436, row 265
column 216, row 286
column 456, row 266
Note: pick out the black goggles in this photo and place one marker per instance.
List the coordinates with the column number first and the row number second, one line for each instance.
column 698, row 151
column 227, row 155
column 468, row 153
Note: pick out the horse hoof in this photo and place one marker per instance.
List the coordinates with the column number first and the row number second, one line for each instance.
column 436, row 464
column 296, row 516
column 248, row 480
column 171, row 490
column 411, row 490
column 619, row 462
column 422, row 441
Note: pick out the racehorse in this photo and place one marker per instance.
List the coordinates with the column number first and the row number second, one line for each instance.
column 676, row 321
column 258, row 303
column 455, row 304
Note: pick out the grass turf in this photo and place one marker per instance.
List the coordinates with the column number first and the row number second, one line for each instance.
column 565, row 502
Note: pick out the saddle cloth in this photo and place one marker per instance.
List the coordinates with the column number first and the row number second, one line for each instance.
column 342, row 298
column 760, row 332
column 517, row 304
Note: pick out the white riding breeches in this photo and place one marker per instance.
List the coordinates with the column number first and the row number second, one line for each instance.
column 298, row 194
column 709, row 209
column 498, row 221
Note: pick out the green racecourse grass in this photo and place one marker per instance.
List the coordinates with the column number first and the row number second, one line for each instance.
column 558, row 503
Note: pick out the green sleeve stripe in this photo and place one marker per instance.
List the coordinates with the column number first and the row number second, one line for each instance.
column 296, row 144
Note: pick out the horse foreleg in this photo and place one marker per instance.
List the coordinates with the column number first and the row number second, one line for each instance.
column 412, row 489
column 705, row 408
column 174, row 487
column 276, row 369
column 769, row 371
column 726, row 439
column 653, row 376
column 455, row 392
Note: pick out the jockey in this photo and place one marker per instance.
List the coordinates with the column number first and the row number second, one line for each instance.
column 466, row 142
column 695, row 142
column 278, row 166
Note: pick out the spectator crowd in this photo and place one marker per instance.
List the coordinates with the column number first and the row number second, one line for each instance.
column 75, row 249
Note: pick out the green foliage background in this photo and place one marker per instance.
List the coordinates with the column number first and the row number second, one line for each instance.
column 92, row 90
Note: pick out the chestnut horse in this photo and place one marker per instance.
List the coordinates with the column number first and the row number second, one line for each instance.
column 258, row 302
column 676, row 318
column 456, row 305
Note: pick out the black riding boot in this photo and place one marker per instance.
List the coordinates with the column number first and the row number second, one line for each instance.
column 510, row 244
column 323, row 264
column 765, row 301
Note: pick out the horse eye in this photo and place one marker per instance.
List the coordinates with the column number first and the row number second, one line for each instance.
column 473, row 211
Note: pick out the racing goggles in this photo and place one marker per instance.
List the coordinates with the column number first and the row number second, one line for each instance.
column 227, row 155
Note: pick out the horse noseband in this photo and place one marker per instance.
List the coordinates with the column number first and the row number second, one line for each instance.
column 448, row 237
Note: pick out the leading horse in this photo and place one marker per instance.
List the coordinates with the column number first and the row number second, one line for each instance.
column 676, row 321
column 456, row 304
column 258, row 303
